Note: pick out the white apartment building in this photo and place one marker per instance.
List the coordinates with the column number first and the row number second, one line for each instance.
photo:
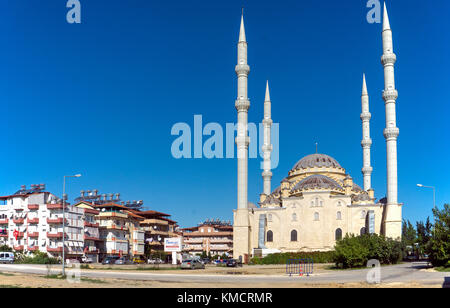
column 32, row 219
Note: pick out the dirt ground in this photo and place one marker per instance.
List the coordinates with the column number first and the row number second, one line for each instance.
column 10, row 280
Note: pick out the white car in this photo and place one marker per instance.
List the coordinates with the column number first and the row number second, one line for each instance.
column 86, row 259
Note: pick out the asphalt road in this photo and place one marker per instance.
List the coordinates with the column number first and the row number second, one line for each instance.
column 402, row 273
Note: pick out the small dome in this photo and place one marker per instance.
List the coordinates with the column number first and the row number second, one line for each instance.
column 317, row 182
column 316, row 160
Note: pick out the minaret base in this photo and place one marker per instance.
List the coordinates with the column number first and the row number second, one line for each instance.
column 392, row 226
column 241, row 235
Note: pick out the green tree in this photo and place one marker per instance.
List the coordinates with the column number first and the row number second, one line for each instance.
column 409, row 238
column 424, row 235
column 439, row 244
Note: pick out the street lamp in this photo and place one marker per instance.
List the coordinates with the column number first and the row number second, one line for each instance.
column 64, row 220
column 434, row 192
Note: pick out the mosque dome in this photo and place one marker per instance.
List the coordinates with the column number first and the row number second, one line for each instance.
column 317, row 181
column 316, row 160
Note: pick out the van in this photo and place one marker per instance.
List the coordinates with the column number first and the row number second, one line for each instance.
column 6, row 257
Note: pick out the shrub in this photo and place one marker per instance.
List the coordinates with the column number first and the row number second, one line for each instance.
column 38, row 257
column 6, row 248
column 355, row 251
column 439, row 245
column 282, row 258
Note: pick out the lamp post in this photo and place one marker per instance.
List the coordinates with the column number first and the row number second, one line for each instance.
column 64, row 220
column 434, row 192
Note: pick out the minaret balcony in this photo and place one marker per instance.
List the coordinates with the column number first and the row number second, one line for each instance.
column 391, row 133
column 366, row 143
column 365, row 116
column 390, row 95
column 388, row 59
column 242, row 70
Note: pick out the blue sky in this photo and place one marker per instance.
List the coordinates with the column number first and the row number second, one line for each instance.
column 100, row 97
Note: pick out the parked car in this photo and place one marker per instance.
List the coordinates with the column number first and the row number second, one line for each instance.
column 138, row 261
column 122, row 261
column 109, row 260
column 86, row 259
column 192, row 264
column 6, row 257
column 155, row 261
column 232, row 263
column 206, row 261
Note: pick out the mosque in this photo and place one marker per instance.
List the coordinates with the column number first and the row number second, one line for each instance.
column 317, row 202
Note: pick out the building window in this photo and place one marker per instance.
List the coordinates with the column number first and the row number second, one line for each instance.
column 363, row 231
column 293, row 236
column 270, row 217
column 363, row 214
column 339, row 216
column 269, row 236
column 294, row 217
column 316, row 216
column 339, row 203
column 338, row 234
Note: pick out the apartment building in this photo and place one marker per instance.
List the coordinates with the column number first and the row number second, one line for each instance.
column 32, row 219
column 157, row 226
column 91, row 234
column 210, row 236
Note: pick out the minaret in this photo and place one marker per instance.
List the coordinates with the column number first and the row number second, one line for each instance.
column 267, row 146
column 366, row 142
column 241, row 226
column 393, row 215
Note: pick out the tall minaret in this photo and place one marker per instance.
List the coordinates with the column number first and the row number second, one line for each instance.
column 267, row 146
column 241, row 226
column 366, row 142
column 393, row 215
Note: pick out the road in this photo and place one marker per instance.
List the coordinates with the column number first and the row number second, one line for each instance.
column 401, row 273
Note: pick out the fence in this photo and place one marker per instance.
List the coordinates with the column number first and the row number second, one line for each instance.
column 299, row 267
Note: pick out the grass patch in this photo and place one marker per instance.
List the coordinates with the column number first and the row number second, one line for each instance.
column 93, row 280
column 6, row 274
column 55, row 276
column 442, row 269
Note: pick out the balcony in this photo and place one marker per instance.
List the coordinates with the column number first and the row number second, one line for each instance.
column 115, row 227
column 4, row 235
column 33, row 221
column 55, row 249
column 34, row 248
column 91, row 211
column 55, row 235
column 55, row 206
column 4, row 221
column 92, row 225
column 18, row 221
column 18, row 248
column 92, row 238
column 55, row 221
column 33, row 234
column 33, row 207
column 20, row 234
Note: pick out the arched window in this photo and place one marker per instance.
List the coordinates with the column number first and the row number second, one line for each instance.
column 363, row 214
column 294, row 236
column 338, row 234
column 316, row 216
column 363, row 231
column 339, row 203
column 317, row 201
column 270, row 217
column 339, row 216
column 294, row 217
column 269, row 236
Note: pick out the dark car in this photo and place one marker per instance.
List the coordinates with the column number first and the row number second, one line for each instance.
column 206, row 261
column 123, row 261
column 110, row 260
column 232, row 263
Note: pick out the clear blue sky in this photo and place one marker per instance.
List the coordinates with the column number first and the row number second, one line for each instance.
column 100, row 97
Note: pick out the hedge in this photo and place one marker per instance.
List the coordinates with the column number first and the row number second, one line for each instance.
column 282, row 258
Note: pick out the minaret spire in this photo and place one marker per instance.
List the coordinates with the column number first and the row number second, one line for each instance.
column 366, row 142
column 393, row 216
column 267, row 146
column 241, row 224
